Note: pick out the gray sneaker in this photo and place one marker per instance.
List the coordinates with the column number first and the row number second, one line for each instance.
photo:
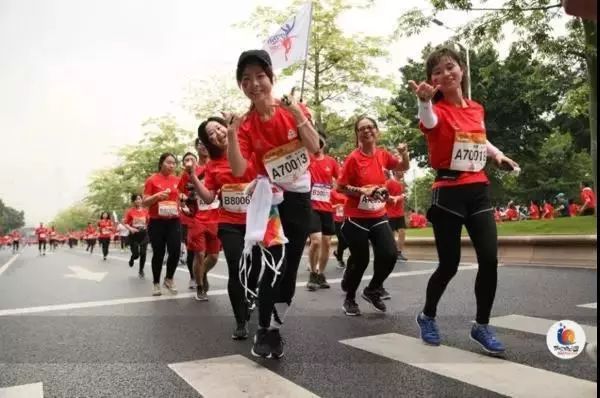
column 201, row 294
column 323, row 282
column 313, row 282
column 169, row 284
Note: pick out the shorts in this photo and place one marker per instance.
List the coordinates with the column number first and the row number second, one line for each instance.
column 463, row 201
column 397, row 223
column 322, row 221
column 202, row 238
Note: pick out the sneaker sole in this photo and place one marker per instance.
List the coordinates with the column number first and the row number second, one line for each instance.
column 238, row 338
column 349, row 313
column 484, row 348
column 201, row 299
column 421, row 338
column 371, row 304
column 157, row 294
column 259, row 356
column 324, row 287
column 312, row 288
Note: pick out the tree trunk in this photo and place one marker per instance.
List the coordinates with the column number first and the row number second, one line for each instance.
column 591, row 46
column 317, row 97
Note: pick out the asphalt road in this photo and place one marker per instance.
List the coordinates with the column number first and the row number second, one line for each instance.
column 72, row 325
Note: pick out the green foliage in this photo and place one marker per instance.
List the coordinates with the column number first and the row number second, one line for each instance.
column 74, row 218
column 111, row 189
column 10, row 219
column 419, row 192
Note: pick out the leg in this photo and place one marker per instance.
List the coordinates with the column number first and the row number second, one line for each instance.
column 173, row 238
column 324, row 255
column 384, row 252
column 357, row 238
column 156, row 231
column 233, row 244
column 314, row 251
column 190, row 263
column 143, row 248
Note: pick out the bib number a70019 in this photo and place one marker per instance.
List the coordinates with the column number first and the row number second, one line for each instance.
column 469, row 152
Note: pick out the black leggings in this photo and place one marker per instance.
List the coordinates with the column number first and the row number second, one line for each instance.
column 341, row 245
column 447, row 226
column 190, row 262
column 105, row 243
column 42, row 243
column 164, row 235
column 232, row 239
column 123, row 240
column 15, row 245
column 357, row 233
column 138, row 243
column 90, row 245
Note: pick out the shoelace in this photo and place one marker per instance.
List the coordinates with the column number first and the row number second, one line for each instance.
column 487, row 333
column 431, row 327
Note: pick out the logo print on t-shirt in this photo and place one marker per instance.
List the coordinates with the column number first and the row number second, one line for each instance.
column 292, row 134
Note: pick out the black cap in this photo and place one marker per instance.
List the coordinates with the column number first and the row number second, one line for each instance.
column 249, row 56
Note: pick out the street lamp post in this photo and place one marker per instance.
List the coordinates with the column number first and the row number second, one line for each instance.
column 465, row 47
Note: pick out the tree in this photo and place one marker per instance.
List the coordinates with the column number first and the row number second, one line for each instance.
column 532, row 20
column 419, row 192
column 10, row 219
column 74, row 218
column 111, row 189
column 208, row 97
column 340, row 68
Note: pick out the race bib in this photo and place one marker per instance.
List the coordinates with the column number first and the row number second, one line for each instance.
column 367, row 203
column 208, row 206
column 167, row 209
column 105, row 231
column 321, row 193
column 287, row 162
column 139, row 222
column 234, row 199
column 469, row 152
column 42, row 236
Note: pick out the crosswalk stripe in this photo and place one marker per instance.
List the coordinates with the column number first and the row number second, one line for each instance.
column 34, row 390
column 589, row 305
column 537, row 325
column 236, row 376
column 493, row 374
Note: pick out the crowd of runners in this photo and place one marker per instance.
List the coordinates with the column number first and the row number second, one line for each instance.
column 261, row 188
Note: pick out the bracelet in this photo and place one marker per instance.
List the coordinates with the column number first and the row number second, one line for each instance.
column 303, row 123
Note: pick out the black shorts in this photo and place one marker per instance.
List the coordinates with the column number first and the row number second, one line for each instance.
column 463, row 201
column 397, row 223
column 322, row 221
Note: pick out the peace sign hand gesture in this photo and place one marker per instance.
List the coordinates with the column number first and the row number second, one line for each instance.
column 424, row 91
column 233, row 122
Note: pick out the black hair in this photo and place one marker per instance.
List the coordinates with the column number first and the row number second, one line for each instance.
column 103, row 213
column 164, row 157
column 585, row 184
column 361, row 118
column 188, row 154
column 214, row 152
column 134, row 196
column 196, row 142
column 434, row 59
column 254, row 61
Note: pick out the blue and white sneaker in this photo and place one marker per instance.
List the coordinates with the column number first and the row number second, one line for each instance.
column 430, row 333
column 485, row 336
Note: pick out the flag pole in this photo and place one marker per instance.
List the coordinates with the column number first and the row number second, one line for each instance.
column 306, row 53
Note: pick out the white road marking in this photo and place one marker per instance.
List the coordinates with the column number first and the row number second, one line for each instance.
column 8, row 263
column 590, row 305
column 493, row 374
column 537, row 325
column 235, row 376
column 85, row 274
column 35, row 390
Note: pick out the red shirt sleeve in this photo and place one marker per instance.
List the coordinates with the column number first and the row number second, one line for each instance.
column 209, row 179
column 348, row 171
column 182, row 182
column 245, row 140
column 128, row 218
column 391, row 162
column 335, row 167
column 148, row 187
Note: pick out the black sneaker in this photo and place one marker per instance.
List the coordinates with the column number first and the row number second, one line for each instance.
column 350, row 307
column 275, row 343
column 205, row 282
column 240, row 332
column 384, row 294
column 131, row 262
column 261, row 346
column 401, row 257
column 313, row 282
column 374, row 298
column 323, row 282
column 340, row 264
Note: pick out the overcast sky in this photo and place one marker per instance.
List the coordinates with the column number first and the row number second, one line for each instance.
column 77, row 77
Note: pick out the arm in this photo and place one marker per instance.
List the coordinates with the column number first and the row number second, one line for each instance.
column 426, row 115
column 404, row 158
column 237, row 162
column 205, row 194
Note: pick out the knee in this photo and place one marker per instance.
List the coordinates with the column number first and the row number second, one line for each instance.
column 447, row 270
column 315, row 242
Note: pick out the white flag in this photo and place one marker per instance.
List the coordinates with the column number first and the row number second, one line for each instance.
column 290, row 43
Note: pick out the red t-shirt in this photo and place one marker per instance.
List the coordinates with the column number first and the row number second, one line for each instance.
column 90, row 232
column 534, row 212
column 588, row 196
column 105, row 227
column 440, row 140
column 497, row 216
column 395, row 188
column 52, row 233
column 573, row 210
column 550, row 209
column 338, row 199
column 421, row 221
column 170, row 207
column 136, row 218
column 512, row 215
column 322, row 173
column 207, row 213
column 361, row 170
column 16, row 235
column 219, row 179
column 259, row 137
column 413, row 220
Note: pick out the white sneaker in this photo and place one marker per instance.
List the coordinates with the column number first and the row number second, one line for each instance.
column 156, row 290
column 170, row 286
column 193, row 284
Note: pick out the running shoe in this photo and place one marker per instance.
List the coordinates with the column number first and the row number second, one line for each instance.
column 201, row 294
column 169, row 284
column 430, row 333
column 141, row 274
column 130, row 262
column 401, row 257
column 313, row 282
column 240, row 332
column 261, row 347
column 156, row 290
column 350, row 307
column 104, row 258
column 193, row 284
column 323, row 281
column 373, row 297
column 385, row 295
column 276, row 343
column 485, row 336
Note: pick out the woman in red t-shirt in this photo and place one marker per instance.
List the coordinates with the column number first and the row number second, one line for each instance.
column 548, row 210
column 454, row 129
column 42, row 236
column 136, row 221
column 573, row 208
column 280, row 136
column 162, row 199
column 534, row 210
column 90, row 238
column 220, row 183
column 363, row 181
column 106, row 229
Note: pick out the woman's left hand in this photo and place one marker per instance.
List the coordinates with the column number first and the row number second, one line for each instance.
column 288, row 102
column 504, row 162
